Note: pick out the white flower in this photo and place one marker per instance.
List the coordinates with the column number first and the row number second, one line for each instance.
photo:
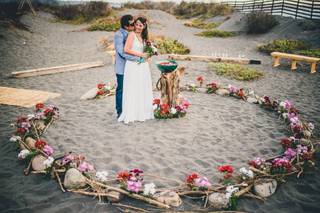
column 23, row 154
column 149, row 189
column 30, row 116
column 155, row 106
column 247, row 173
column 230, row 190
column 47, row 163
column 102, row 176
column 173, row 110
column 282, row 104
column 15, row 138
column 192, row 85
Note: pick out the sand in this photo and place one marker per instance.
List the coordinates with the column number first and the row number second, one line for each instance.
column 216, row 130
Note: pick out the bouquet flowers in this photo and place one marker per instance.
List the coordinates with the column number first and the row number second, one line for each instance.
column 150, row 48
column 164, row 111
column 132, row 180
column 105, row 90
column 227, row 172
column 194, row 181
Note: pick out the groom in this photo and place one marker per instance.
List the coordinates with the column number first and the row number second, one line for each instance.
column 120, row 37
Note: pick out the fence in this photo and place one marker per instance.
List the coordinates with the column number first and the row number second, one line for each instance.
column 298, row 9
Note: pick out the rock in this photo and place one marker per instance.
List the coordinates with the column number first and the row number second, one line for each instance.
column 91, row 94
column 30, row 142
column 265, row 187
column 252, row 100
column 168, row 197
column 40, row 125
column 114, row 196
column 218, row 200
column 73, row 179
column 37, row 163
column 222, row 92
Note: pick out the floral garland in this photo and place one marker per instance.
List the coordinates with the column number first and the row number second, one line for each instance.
column 164, row 111
column 298, row 152
column 105, row 90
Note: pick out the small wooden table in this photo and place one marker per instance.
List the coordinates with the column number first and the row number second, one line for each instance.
column 277, row 56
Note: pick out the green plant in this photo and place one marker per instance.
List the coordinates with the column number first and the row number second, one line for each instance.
column 198, row 23
column 260, row 22
column 216, row 33
column 105, row 25
column 311, row 53
column 235, row 71
column 168, row 45
column 284, row 45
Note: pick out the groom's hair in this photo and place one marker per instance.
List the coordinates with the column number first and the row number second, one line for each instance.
column 125, row 20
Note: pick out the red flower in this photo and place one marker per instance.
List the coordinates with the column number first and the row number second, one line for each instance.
column 240, row 93
column 226, row 168
column 164, row 108
column 200, row 79
column 100, row 86
column 192, row 177
column 40, row 144
column 123, row 176
column 156, row 101
column 286, row 143
column 227, row 176
column 22, row 119
column 100, row 92
column 47, row 111
column 213, row 85
column 21, row 130
column 39, row 105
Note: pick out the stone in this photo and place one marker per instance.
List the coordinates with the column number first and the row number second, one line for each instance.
column 30, row 142
column 91, row 94
column 218, row 200
column 114, row 196
column 74, row 179
column 265, row 187
column 252, row 100
column 222, row 92
column 37, row 163
column 168, row 197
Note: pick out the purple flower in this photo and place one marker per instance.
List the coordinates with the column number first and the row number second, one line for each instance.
column 280, row 162
column 311, row 126
column 48, row 150
column 85, row 167
column 232, row 89
column 202, row 182
column 294, row 119
column 67, row 159
column 290, row 153
column 302, row 149
column 134, row 186
column 287, row 105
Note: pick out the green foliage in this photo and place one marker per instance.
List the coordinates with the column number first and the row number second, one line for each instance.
column 260, row 22
column 235, row 71
column 105, row 25
column 311, row 53
column 216, row 33
column 198, row 23
column 309, row 24
column 77, row 14
column 283, row 45
column 168, row 45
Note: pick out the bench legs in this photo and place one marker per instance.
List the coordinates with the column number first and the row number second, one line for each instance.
column 313, row 67
column 276, row 61
column 293, row 65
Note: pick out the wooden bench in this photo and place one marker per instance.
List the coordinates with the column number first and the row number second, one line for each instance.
column 277, row 56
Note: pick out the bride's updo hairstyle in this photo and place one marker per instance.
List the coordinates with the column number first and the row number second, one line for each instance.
column 144, row 33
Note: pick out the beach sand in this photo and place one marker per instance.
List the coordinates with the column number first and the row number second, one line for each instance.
column 217, row 130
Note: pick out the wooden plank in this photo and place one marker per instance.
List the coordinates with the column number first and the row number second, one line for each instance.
column 210, row 59
column 24, row 97
column 295, row 57
column 57, row 69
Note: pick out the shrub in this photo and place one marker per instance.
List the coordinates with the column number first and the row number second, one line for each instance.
column 309, row 24
column 81, row 13
column 311, row 53
column 260, row 22
column 168, row 45
column 105, row 24
column 235, row 71
column 216, row 33
column 198, row 23
column 283, row 45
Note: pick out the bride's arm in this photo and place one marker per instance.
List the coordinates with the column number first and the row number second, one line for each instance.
column 128, row 46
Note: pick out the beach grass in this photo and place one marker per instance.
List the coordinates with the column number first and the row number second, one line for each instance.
column 200, row 24
column 259, row 22
column 284, row 45
column 169, row 46
column 216, row 33
column 105, row 24
column 235, row 71
column 310, row 52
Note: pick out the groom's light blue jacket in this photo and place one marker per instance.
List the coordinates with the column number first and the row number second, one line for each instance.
column 120, row 38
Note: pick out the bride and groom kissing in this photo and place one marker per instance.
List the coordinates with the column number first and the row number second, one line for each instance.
column 134, row 85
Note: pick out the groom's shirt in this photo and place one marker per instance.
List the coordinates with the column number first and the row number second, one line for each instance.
column 120, row 38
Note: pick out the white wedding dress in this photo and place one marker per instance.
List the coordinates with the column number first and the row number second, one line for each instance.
column 137, row 95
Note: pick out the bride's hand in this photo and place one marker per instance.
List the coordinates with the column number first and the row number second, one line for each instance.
column 149, row 60
column 144, row 55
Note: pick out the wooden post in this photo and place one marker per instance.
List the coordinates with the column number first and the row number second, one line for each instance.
column 312, row 8
column 22, row 2
column 297, row 8
column 272, row 5
column 293, row 65
column 276, row 61
column 282, row 7
column 313, row 67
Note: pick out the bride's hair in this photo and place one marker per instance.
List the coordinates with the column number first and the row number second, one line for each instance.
column 144, row 33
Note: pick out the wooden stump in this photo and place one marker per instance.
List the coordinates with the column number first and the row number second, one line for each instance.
column 168, row 84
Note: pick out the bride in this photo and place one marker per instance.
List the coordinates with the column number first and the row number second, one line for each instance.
column 137, row 84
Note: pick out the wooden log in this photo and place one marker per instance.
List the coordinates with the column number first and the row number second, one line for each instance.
column 57, row 69
column 212, row 59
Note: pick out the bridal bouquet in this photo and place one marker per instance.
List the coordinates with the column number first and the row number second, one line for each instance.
column 164, row 111
column 105, row 90
column 151, row 49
